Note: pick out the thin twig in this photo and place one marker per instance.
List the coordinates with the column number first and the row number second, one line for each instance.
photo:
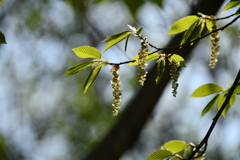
column 217, row 19
column 179, row 46
column 215, row 119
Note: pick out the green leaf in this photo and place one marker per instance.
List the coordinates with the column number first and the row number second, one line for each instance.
column 188, row 151
column 226, row 109
column 237, row 89
column 161, row 64
column 232, row 100
column 92, row 78
column 206, row 89
column 2, row 38
column 175, row 145
column 116, row 38
column 126, row 43
column 79, row 67
column 221, row 100
column 149, row 58
column 179, row 59
column 139, row 30
column 87, row 52
column 183, row 24
column 159, row 155
column 188, row 33
column 231, row 4
column 210, row 23
column 198, row 31
column 210, row 105
column 1, row 2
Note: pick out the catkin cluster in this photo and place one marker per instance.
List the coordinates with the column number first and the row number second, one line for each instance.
column 117, row 93
column 142, row 61
column 174, row 73
column 215, row 48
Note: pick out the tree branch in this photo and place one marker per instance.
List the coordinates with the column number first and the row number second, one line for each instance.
column 131, row 122
column 215, row 119
column 184, row 44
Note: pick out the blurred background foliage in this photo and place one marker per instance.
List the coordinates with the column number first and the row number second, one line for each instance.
column 46, row 116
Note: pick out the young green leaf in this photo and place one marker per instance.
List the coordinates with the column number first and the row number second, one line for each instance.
column 226, row 109
column 237, row 90
column 114, row 39
column 139, row 30
column 77, row 68
column 199, row 28
column 179, row 59
column 175, row 145
column 188, row 151
column 183, row 24
column 210, row 23
column 149, row 58
column 231, row 4
column 2, row 38
column 87, row 52
column 232, row 100
column 161, row 64
column 159, row 155
column 221, row 100
column 188, row 33
column 206, row 89
column 210, row 105
column 126, row 43
column 92, row 78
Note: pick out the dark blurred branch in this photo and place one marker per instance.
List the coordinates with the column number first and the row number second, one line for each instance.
column 125, row 133
column 215, row 119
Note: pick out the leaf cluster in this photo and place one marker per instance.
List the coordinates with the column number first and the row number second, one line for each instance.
column 218, row 99
column 173, row 150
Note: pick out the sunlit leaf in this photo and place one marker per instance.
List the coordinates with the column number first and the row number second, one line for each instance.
column 92, row 78
column 210, row 105
column 198, row 31
column 2, row 38
column 237, row 89
column 183, row 24
column 149, row 58
column 175, row 145
column 206, row 89
column 210, row 23
column 161, row 63
column 139, row 30
column 221, row 100
column 232, row 100
column 188, row 33
column 159, row 155
column 79, row 67
column 226, row 109
column 188, row 152
column 231, row 4
column 87, row 52
column 116, row 38
column 179, row 59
